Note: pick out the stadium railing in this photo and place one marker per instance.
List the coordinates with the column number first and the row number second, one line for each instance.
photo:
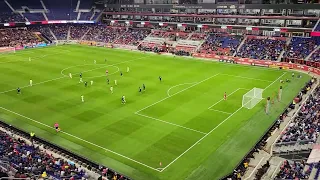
column 91, row 165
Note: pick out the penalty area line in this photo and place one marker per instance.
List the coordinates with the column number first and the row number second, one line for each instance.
column 176, row 93
column 76, row 137
column 213, row 129
column 170, row 123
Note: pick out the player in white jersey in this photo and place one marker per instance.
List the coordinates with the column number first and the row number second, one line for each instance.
column 111, row 90
column 82, row 98
column 30, row 82
column 91, row 82
column 70, row 75
column 115, row 82
column 123, row 99
column 128, row 69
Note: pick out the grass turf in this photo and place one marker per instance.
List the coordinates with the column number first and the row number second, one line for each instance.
column 170, row 122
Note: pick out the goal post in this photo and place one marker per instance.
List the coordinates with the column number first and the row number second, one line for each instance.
column 252, row 98
column 7, row 50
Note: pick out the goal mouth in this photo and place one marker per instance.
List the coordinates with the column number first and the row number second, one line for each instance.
column 252, row 98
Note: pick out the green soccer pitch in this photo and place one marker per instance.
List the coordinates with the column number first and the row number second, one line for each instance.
column 182, row 122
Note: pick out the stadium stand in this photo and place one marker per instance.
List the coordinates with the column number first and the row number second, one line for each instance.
column 132, row 36
column 300, row 48
column 294, row 170
column 61, row 9
column 78, row 31
column 60, row 31
column 104, row 34
column 44, row 30
column 264, row 48
column 315, row 56
column 221, row 44
column 6, row 17
column 17, row 37
column 306, row 125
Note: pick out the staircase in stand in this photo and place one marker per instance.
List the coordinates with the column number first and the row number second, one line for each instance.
column 315, row 50
column 240, row 45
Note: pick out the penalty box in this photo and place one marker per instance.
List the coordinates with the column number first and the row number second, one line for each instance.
column 188, row 108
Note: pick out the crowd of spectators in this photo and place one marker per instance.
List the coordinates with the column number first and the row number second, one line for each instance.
column 315, row 56
column 104, row 34
column 221, row 44
column 294, row 170
column 306, row 126
column 60, row 31
column 29, row 160
column 132, row 36
column 198, row 36
column 44, row 30
column 264, row 49
column 6, row 17
column 77, row 31
column 158, row 34
column 300, row 48
column 17, row 37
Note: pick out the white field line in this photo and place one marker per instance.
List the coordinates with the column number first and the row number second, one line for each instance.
column 219, row 111
column 211, row 131
column 275, row 80
column 98, row 67
column 170, row 123
column 118, row 69
column 168, row 92
column 66, row 76
column 243, row 77
column 37, row 57
column 176, row 93
column 108, row 150
column 223, row 98
column 255, row 168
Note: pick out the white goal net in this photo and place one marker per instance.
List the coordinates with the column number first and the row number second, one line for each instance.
column 252, row 98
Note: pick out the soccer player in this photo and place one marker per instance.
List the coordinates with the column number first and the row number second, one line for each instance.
column 94, row 61
column 56, row 126
column 111, row 89
column 140, row 90
column 30, row 82
column 82, row 98
column 70, row 75
column 85, row 84
column 292, row 75
column 128, row 69
column 108, row 81
column 144, row 87
column 18, row 90
column 123, row 99
column 160, row 78
column 80, row 78
column 225, row 96
column 120, row 73
column 115, row 82
column 107, row 72
column 91, row 82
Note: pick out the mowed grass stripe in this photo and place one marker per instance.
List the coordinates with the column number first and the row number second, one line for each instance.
column 103, row 120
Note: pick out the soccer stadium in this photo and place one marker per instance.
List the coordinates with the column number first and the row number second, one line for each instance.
column 160, row 89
